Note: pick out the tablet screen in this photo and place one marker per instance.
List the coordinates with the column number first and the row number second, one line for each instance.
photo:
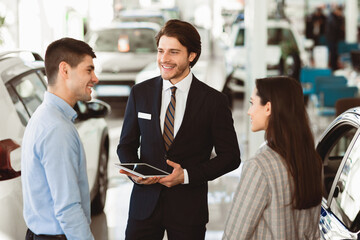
column 142, row 169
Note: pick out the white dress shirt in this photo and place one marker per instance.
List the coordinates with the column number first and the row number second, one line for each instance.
column 181, row 95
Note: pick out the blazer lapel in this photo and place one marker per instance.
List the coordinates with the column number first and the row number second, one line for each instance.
column 157, row 106
column 194, row 100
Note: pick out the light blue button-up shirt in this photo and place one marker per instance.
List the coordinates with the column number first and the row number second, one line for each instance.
column 53, row 171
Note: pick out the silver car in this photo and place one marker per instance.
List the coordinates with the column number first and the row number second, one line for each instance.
column 123, row 49
column 141, row 15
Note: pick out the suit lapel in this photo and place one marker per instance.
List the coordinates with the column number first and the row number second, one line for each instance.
column 157, row 106
column 194, row 100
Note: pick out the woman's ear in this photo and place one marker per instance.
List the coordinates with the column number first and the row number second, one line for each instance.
column 268, row 108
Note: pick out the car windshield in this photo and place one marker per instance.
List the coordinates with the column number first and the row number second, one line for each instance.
column 124, row 40
column 155, row 19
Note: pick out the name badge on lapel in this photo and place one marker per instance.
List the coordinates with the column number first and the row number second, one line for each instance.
column 146, row 116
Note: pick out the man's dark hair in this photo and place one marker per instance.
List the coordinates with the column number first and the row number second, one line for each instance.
column 185, row 33
column 69, row 50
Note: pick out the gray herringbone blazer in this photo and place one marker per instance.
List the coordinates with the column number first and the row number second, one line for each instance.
column 262, row 207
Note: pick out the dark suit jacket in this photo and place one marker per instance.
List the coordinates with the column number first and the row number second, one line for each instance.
column 207, row 123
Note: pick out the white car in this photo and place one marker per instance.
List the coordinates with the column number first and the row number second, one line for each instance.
column 282, row 38
column 279, row 33
column 122, row 50
column 22, row 87
column 339, row 148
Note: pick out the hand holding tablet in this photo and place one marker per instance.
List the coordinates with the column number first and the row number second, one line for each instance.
column 142, row 170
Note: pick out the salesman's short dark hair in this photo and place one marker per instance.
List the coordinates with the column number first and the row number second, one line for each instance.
column 185, row 33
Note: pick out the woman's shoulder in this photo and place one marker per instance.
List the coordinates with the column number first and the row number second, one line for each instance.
column 267, row 159
column 266, row 152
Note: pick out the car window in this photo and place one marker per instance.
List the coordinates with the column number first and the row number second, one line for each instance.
column 20, row 108
column 27, row 93
column 240, row 39
column 332, row 150
column 346, row 197
column 124, row 40
column 277, row 36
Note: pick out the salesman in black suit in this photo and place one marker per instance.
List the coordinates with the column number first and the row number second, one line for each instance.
column 176, row 130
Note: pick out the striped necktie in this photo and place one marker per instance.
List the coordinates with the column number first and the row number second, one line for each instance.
column 168, row 134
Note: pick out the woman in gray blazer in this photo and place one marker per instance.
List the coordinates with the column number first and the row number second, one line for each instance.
column 279, row 193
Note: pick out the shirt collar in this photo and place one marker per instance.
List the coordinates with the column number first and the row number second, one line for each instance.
column 59, row 103
column 183, row 85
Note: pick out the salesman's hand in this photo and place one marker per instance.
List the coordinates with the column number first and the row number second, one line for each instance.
column 175, row 178
column 140, row 180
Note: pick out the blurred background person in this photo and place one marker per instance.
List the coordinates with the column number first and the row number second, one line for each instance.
column 334, row 33
column 318, row 20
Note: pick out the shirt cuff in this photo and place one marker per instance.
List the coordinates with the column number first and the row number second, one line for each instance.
column 186, row 177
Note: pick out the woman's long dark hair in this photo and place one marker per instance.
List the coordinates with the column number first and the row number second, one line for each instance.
column 288, row 133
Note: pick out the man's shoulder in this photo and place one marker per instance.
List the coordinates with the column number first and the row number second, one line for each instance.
column 49, row 117
column 200, row 85
column 152, row 82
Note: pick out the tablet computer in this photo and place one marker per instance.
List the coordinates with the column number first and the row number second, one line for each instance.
column 143, row 170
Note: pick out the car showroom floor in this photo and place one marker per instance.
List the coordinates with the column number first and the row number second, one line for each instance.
column 112, row 223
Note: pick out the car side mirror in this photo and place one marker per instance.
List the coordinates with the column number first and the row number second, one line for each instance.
column 6, row 171
column 336, row 192
column 340, row 187
column 93, row 109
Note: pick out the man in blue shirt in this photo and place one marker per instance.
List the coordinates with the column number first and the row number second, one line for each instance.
column 55, row 184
